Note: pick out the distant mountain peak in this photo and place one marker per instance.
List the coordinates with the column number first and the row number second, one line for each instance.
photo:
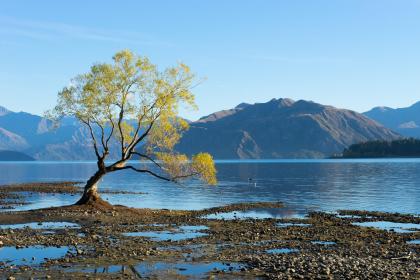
column 218, row 115
column 242, row 105
column 3, row 111
column 285, row 101
column 382, row 108
column 415, row 105
column 282, row 101
column 404, row 120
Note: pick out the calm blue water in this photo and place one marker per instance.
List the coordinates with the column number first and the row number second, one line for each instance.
column 391, row 185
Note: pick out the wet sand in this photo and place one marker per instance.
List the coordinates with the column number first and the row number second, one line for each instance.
column 96, row 243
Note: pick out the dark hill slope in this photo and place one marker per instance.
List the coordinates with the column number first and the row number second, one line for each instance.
column 281, row 128
column 14, row 156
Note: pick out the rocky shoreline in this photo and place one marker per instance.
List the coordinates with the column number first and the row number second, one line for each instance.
column 127, row 243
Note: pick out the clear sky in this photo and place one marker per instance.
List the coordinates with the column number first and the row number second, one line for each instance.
column 353, row 54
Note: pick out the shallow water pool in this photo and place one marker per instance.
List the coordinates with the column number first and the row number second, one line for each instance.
column 32, row 255
column 258, row 213
column 182, row 233
column 327, row 243
column 282, row 251
column 44, row 225
column 385, row 225
column 186, row 269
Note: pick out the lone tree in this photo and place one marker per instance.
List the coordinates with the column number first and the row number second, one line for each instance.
column 130, row 109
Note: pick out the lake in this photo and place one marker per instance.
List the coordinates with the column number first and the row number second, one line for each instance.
column 391, row 185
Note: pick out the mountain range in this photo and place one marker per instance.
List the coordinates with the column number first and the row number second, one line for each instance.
column 34, row 136
column 405, row 121
column 280, row 128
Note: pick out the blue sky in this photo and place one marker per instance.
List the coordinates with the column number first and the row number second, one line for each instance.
column 352, row 54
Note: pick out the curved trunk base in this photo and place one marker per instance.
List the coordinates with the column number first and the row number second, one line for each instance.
column 88, row 198
column 90, row 195
column 93, row 200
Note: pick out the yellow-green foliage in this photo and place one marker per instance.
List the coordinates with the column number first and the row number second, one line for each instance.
column 179, row 166
column 131, row 102
column 203, row 165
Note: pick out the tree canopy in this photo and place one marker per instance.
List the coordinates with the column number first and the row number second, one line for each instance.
column 131, row 106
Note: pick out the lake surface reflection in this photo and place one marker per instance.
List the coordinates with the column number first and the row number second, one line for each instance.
column 391, row 185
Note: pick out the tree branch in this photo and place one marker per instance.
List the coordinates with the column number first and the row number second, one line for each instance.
column 147, row 157
column 133, row 143
column 120, row 118
column 142, row 171
column 111, row 133
column 124, row 93
column 185, row 176
column 130, row 149
column 102, row 136
column 95, row 146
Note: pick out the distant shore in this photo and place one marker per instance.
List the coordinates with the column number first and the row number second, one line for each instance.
column 373, row 157
column 401, row 148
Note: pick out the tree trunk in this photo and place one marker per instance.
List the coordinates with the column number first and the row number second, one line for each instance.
column 90, row 193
